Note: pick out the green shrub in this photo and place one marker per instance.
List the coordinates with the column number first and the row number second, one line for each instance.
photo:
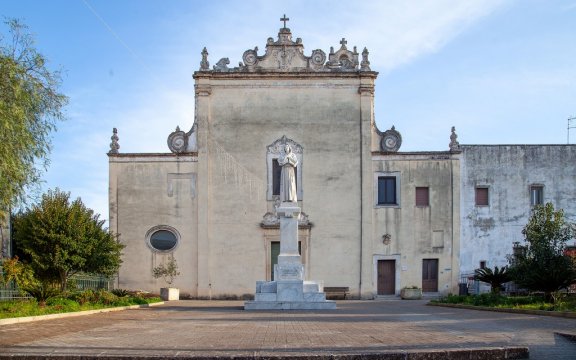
column 120, row 292
column 63, row 304
column 105, row 297
column 42, row 292
column 83, row 297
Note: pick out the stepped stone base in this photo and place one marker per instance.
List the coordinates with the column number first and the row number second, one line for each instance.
column 289, row 305
column 289, row 295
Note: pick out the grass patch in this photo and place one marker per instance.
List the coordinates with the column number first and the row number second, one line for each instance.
column 72, row 302
column 533, row 302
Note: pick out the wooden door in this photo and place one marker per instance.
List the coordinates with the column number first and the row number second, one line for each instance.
column 430, row 275
column 386, row 277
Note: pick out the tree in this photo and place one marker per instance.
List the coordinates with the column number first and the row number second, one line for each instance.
column 30, row 106
column 14, row 271
column 496, row 278
column 167, row 271
column 542, row 265
column 20, row 274
column 59, row 238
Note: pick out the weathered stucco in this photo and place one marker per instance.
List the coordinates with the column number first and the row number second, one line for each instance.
column 488, row 232
column 415, row 232
column 147, row 191
column 221, row 204
column 214, row 190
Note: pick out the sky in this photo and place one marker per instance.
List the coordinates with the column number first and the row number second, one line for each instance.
column 500, row 71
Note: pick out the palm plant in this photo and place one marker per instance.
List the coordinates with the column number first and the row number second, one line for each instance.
column 496, row 278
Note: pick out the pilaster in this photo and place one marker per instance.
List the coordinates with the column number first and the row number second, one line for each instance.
column 366, row 91
column 202, row 116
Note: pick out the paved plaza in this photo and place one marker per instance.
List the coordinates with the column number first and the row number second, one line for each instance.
column 209, row 329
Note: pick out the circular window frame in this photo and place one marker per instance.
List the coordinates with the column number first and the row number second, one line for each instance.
column 157, row 228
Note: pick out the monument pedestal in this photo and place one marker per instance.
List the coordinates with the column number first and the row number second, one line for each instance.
column 289, row 291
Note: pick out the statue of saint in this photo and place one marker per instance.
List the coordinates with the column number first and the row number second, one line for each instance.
column 288, row 161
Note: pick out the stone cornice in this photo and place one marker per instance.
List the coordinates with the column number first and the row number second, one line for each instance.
column 272, row 75
column 153, row 157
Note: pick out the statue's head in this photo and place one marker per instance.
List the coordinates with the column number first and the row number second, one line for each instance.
column 287, row 149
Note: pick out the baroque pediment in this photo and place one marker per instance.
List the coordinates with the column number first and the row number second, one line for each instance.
column 287, row 55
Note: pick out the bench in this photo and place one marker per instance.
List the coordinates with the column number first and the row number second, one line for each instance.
column 336, row 292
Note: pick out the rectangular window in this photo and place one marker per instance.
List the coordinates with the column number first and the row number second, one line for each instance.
column 536, row 195
column 481, row 196
column 387, row 190
column 422, row 196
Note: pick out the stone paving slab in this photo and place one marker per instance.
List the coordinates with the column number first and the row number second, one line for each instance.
column 357, row 329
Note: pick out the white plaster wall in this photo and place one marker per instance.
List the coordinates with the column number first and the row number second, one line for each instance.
column 488, row 232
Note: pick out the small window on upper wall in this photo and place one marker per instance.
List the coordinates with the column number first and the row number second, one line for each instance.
column 387, row 190
column 422, row 196
column 482, row 196
column 536, row 195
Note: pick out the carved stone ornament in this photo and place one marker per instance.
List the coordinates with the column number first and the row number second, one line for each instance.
column 343, row 59
column 303, row 219
column 271, row 219
column 177, row 141
column 222, row 65
column 277, row 147
column 114, row 146
column 386, row 239
column 181, row 142
column 391, row 140
column 286, row 55
column 454, row 144
column 204, row 64
column 365, row 64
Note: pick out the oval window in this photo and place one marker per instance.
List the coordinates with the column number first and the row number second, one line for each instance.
column 163, row 240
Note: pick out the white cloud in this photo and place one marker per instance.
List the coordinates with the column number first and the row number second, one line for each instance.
column 148, row 109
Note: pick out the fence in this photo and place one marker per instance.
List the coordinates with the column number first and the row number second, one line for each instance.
column 10, row 292
column 94, row 282
column 78, row 281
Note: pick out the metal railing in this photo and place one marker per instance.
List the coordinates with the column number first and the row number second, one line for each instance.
column 79, row 282
column 94, row 282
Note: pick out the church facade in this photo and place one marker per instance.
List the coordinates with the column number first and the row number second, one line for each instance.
column 374, row 219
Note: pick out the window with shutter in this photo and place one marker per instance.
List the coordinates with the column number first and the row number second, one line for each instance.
column 422, row 196
column 481, row 196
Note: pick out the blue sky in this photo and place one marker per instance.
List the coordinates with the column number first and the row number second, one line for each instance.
column 502, row 72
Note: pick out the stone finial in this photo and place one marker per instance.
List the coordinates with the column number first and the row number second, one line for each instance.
column 454, row 144
column 365, row 64
column 204, row 64
column 114, row 146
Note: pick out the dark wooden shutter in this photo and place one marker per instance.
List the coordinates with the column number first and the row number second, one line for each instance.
column 482, row 196
column 422, row 196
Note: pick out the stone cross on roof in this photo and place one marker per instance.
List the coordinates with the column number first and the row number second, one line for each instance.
column 284, row 18
column 343, row 42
